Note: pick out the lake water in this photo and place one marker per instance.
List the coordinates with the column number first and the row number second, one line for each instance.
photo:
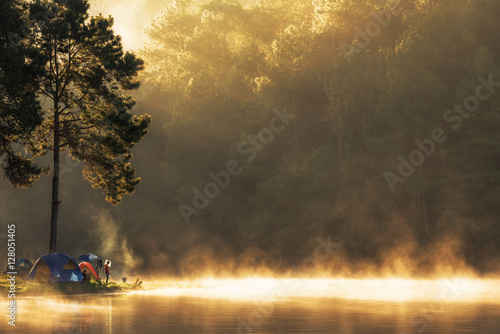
column 272, row 306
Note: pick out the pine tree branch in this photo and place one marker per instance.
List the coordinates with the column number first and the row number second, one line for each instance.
column 70, row 120
column 102, row 154
column 46, row 93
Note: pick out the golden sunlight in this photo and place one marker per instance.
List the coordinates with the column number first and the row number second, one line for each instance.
column 389, row 289
column 129, row 19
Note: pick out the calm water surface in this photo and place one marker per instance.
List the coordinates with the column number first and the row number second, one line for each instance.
column 197, row 311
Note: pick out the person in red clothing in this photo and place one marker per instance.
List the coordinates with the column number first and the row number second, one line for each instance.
column 106, row 269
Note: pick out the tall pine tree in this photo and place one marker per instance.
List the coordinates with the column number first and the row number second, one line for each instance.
column 87, row 73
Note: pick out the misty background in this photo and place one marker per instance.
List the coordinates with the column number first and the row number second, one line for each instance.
column 215, row 71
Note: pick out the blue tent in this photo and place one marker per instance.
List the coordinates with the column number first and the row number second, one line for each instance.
column 22, row 267
column 55, row 267
column 88, row 257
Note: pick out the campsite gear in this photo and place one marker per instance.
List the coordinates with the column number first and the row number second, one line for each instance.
column 85, row 277
column 88, row 257
column 91, row 273
column 98, row 267
column 22, row 267
column 55, row 267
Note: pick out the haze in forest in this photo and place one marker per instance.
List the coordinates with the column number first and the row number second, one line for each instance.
column 341, row 138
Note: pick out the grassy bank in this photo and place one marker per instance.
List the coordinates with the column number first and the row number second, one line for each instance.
column 24, row 288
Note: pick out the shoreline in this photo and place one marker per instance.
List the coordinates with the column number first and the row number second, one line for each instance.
column 24, row 288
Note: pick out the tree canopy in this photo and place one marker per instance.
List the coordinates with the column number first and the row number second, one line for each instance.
column 87, row 72
column 370, row 83
column 19, row 108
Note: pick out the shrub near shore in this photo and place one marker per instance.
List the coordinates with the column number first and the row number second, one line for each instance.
column 25, row 288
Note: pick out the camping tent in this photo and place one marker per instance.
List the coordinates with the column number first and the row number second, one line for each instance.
column 88, row 257
column 55, row 267
column 22, row 268
column 90, row 271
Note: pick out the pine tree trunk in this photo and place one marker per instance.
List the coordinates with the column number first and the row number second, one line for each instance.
column 295, row 124
column 425, row 215
column 422, row 212
column 55, row 184
column 340, row 150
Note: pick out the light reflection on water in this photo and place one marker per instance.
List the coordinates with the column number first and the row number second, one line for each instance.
column 273, row 306
column 388, row 289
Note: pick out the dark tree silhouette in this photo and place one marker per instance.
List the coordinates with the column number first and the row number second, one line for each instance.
column 19, row 110
column 87, row 73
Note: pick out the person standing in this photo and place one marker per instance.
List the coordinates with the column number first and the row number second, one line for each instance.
column 106, row 269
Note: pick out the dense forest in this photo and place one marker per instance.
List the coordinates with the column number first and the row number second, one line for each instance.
column 372, row 124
